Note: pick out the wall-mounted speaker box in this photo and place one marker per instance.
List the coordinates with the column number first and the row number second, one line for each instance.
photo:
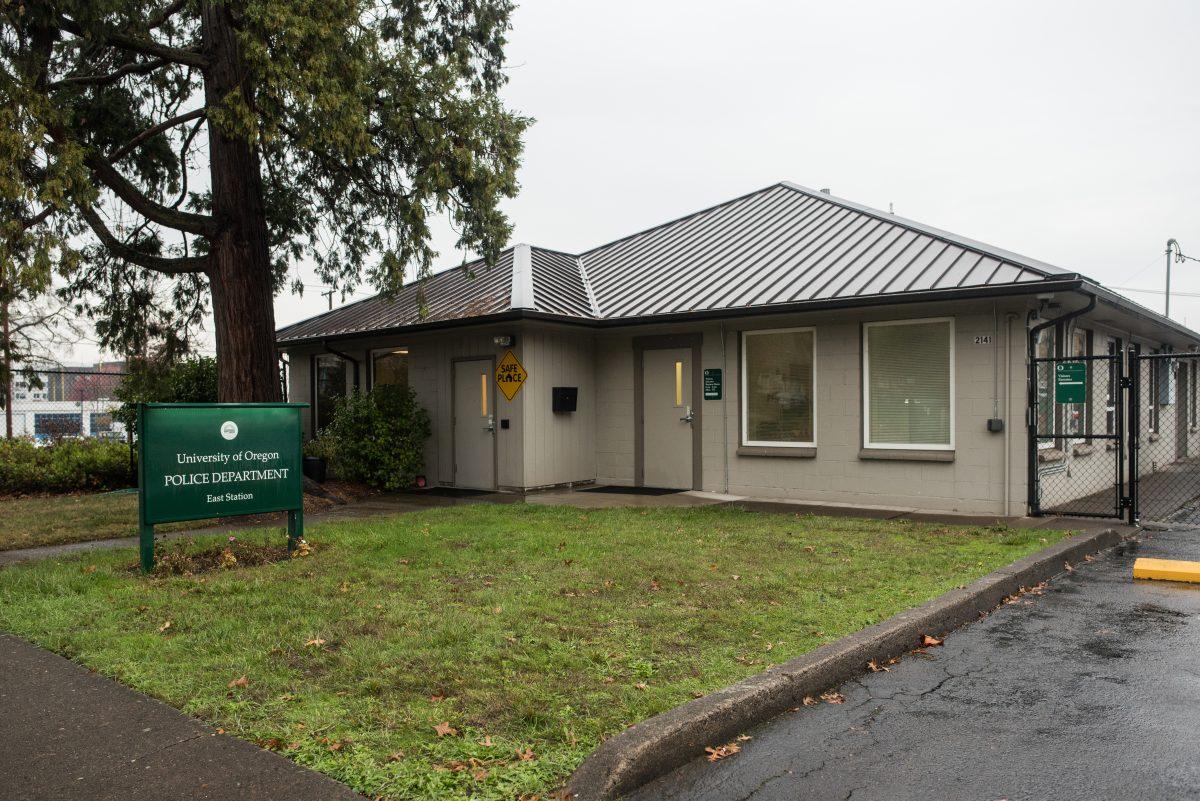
column 565, row 399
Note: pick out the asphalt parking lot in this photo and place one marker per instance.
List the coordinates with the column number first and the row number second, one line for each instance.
column 1088, row 690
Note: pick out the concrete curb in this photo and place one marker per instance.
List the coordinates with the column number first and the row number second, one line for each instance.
column 664, row 742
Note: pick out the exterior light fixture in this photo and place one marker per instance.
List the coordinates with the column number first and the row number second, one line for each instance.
column 504, row 340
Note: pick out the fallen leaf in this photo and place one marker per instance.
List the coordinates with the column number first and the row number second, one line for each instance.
column 697, row 693
column 336, row 745
column 437, row 697
column 722, row 751
column 641, row 685
column 479, row 774
column 486, row 742
column 445, row 729
column 90, row 569
column 875, row 667
column 832, row 697
column 809, row 701
column 929, row 641
column 496, row 610
column 736, row 577
column 741, row 738
column 608, row 679
column 314, row 643
column 1068, row 567
column 654, row 585
column 395, row 756
column 239, row 682
column 166, row 625
column 527, row 755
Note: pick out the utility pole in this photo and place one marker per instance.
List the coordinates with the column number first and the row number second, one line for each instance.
column 329, row 294
column 1171, row 243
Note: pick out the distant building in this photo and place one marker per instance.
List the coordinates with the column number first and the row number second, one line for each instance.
column 68, row 401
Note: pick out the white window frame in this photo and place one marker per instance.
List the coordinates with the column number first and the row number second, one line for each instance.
column 745, row 399
column 866, row 387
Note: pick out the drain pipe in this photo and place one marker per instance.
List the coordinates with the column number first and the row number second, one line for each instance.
column 725, row 408
column 1009, row 318
column 347, row 357
column 1031, row 402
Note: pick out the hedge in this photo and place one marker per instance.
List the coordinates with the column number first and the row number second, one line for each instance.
column 67, row 466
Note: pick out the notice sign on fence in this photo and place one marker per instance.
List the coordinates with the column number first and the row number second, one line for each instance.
column 1070, row 382
column 205, row 460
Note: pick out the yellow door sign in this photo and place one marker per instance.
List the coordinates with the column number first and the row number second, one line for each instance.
column 510, row 375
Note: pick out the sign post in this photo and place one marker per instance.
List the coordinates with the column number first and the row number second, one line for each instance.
column 202, row 460
column 1070, row 382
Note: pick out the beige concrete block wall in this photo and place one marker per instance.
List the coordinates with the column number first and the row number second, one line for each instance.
column 558, row 447
column 972, row 483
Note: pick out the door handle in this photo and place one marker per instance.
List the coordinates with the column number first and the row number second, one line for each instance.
column 689, row 417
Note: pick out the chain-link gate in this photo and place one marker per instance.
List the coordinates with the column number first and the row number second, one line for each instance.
column 1164, row 438
column 1076, row 435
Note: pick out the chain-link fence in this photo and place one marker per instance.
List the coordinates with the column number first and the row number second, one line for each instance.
column 1078, row 421
column 65, row 403
column 1165, row 437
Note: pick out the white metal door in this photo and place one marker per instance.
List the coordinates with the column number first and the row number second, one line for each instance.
column 474, row 425
column 667, row 418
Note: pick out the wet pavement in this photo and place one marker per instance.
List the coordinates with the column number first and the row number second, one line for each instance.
column 1089, row 690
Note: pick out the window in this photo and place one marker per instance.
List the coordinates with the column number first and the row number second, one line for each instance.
column 778, row 380
column 100, row 421
column 330, row 381
column 1044, row 348
column 908, row 384
column 1114, row 387
column 678, row 384
column 58, row 424
column 1192, row 391
column 390, row 367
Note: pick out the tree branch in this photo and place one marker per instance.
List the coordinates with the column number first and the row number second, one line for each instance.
column 108, row 175
column 135, row 44
column 160, row 264
column 132, row 68
column 153, row 131
column 162, row 16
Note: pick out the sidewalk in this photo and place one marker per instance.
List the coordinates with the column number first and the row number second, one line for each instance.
column 71, row 734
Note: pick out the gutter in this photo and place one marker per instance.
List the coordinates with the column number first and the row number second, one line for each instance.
column 1031, row 390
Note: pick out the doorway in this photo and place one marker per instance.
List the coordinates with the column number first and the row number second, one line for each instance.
column 670, row 418
column 474, row 425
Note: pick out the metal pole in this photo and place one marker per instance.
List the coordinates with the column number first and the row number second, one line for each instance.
column 1170, row 243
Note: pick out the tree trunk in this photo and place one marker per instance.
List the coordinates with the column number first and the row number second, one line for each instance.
column 7, row 368
column 240, row 276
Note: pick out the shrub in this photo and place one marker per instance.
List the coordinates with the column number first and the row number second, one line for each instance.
column 152, row 381
column 67, row 466
column 377, row 437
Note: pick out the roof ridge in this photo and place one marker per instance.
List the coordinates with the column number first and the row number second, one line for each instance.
column 965, row 242
column 587, row 287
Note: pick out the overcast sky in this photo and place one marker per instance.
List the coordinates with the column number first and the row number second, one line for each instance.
column 1064, row 131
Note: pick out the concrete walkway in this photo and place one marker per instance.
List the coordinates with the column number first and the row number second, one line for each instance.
column 70, row 734
column 1086, row 691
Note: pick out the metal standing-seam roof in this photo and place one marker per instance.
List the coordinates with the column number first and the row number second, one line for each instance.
column 779, row 246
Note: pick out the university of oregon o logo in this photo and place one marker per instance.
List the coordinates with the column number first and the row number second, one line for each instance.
column 229, row 429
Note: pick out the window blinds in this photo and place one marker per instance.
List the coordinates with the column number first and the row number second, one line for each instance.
column 908, row 369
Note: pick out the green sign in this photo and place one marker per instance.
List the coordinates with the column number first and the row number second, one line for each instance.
column 204, row 460
column 713, row 383
column 1070, row 382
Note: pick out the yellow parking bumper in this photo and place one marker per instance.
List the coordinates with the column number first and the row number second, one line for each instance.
column 1166, row 570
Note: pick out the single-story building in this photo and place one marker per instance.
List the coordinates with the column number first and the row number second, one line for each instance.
column 784, row 344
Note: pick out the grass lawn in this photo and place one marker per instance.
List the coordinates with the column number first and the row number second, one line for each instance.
column 55, row 519
column 482, row 651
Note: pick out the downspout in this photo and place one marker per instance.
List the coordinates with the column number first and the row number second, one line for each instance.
column 1031, row 390
column 347, row 357
column 1009, row 317
column 725, row 409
